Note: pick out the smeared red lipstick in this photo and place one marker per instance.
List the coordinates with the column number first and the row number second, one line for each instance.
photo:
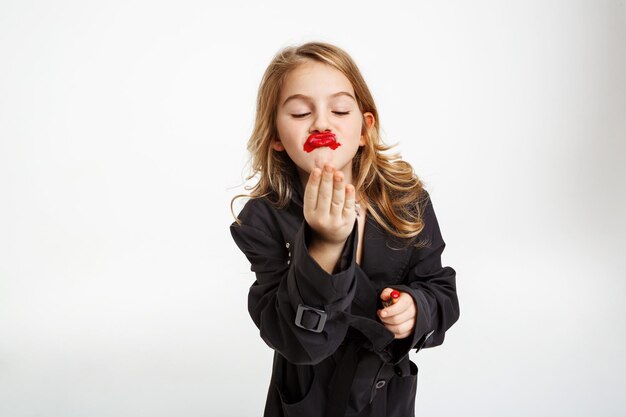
column 317, row 140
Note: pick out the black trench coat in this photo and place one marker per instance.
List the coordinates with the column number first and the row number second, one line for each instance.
column 332, row 355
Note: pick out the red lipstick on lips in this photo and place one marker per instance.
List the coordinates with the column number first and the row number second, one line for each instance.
column 317, row 140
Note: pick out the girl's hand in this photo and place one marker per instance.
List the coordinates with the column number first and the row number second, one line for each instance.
column 329, row 205
column 400, row 317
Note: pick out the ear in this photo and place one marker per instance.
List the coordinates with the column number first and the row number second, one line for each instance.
column 277, row 145
column 369, row 120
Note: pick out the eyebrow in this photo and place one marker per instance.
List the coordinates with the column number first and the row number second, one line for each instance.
column 307, row 98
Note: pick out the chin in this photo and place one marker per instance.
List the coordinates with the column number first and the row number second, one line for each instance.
column 323, row 156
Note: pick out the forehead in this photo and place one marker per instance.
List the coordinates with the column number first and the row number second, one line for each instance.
column 314, row 78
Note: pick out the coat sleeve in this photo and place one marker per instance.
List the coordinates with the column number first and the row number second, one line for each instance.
column 287, row 277
column 432, row 286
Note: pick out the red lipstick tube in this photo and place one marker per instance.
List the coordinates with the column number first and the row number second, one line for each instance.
column 395, row 294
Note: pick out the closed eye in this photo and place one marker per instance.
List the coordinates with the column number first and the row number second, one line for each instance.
column 338, row 113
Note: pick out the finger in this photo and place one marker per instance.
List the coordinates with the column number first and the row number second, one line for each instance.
column 385, row 294
column 312, row 188
column 336, row 205
column 326, row 189
column 406, row 315
column 401, row 330
column 350, row 200
column 403, row 335
column 386, row 314
column 404, row 302
column 387, row 297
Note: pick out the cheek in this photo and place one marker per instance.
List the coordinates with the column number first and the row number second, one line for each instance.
column 285, row 132
column 356, row 130
column 288, row 125
column 358, row 124
column 282, row 122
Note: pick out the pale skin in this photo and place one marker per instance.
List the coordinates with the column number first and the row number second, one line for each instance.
column 316, row 97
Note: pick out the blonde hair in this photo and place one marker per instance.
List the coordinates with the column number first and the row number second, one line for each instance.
column 393, row 191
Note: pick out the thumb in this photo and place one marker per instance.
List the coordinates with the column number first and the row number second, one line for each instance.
column 386, row 294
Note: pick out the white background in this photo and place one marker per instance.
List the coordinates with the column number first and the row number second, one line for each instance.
column 123, row 128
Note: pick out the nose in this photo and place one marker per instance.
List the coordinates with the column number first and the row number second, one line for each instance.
column 320, row 123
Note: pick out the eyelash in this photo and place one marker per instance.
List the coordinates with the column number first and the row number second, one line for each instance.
column 338, row 113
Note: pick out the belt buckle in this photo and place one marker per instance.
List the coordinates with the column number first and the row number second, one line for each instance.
column 320, row 313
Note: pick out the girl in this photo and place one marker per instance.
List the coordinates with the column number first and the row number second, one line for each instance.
column 333, row 228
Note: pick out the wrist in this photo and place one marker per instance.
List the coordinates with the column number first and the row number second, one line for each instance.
column 326, row 254
column 322, row 244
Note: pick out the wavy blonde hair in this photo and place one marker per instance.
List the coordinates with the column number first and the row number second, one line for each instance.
column 393, row 191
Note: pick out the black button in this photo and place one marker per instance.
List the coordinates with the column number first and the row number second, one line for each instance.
column 380, row 384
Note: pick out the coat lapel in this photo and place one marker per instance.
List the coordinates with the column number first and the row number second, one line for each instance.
column 383, row 259
column 383, row 263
